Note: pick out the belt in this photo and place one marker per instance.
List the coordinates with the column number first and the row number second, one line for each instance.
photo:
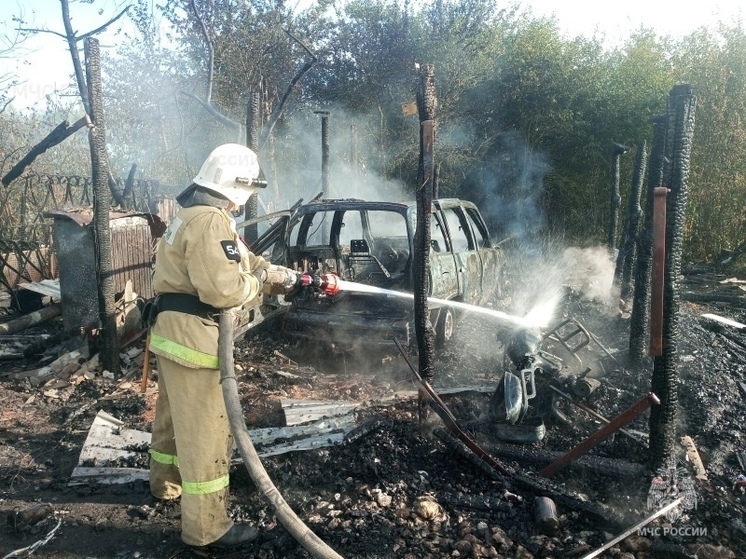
column 183, row 302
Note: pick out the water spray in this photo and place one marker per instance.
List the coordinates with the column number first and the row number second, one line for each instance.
column 538, row 316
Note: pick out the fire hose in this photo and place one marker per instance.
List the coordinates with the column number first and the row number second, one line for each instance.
column 287, row 517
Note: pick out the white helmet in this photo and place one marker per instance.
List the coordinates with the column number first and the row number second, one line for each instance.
column 231, row 171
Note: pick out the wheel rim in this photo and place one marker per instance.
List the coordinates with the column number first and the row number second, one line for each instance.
column 448, row 325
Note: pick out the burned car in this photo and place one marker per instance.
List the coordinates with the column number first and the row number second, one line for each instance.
column 370, row 243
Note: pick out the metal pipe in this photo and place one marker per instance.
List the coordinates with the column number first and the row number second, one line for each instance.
column 634, row 529
column 595, row 414
column 545, row 516
column 324, row 150
column 603, row 433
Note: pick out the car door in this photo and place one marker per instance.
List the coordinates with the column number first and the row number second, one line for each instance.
column 445, row 280
column 466, row 256
column 491, row 256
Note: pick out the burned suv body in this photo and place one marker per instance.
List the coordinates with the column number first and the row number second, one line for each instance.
column 371, row 243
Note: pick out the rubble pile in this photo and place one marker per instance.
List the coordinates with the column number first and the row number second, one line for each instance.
column 390, row 486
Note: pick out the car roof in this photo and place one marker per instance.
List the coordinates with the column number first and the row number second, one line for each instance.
column 335, row 204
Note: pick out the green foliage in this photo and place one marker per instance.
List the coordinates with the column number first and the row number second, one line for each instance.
column 526, row 118
column 715, row 65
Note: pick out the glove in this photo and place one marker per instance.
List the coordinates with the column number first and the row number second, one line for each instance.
column 258, row 262
column 261, row 275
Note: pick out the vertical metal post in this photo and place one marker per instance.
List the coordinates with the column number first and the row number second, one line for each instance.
column 324, row 151
column 253, row 126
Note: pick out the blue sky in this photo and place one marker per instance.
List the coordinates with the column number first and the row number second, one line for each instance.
column 44, row 66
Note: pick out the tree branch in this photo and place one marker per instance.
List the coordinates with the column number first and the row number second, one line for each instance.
column 210, row 52
column 7, row 102
column 214, row 112
column 72, row 46
column 34, row 30
column 59, row 134
column 105, row 25
column 277, row 110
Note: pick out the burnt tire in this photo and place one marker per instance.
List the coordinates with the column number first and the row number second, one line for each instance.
column 445, row 327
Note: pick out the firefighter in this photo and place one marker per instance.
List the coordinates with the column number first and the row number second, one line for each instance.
column 201, row 267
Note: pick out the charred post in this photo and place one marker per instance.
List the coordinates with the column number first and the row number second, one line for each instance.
column 426, row 103
column 324, row 150
column 59, row 134
column 663, row 440
column 615, row 198
column 658, row 279
column 129, row 186
column 101, row 206
column 640, row 319
column 631, row 228
column 253, row 127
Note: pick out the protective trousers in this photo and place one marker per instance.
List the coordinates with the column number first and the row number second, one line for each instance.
column 190, row 449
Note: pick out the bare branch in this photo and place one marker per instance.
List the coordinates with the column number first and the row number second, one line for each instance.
column 303, row 46
column 277, row 110
column 7, row 102
column 232, row 124
column 210, row 52
column 72, row 46
column 105, row 25
column 34, row 30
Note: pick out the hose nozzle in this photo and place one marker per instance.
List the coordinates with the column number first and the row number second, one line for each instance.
column 327, row 283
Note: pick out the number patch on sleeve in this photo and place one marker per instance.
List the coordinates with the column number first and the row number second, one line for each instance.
column 231, row 250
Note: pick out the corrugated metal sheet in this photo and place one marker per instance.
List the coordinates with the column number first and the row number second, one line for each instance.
column 132, row 241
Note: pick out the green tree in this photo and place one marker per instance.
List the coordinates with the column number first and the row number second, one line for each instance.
column 715, row 65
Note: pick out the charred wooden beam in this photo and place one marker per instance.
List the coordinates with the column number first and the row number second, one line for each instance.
column 27, row 320
column 640, row 319
column 424, row 332
column 663, row 440
column 324, row 150
column 56, row 136
column 657, row 283
column 615, row 197
column 101, row 208
column 253, row 126
column 631, row 228
column 129, row 184
column 595, row 464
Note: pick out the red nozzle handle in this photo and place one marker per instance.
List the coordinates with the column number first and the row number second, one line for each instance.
column 327, row 283
column 330, row 284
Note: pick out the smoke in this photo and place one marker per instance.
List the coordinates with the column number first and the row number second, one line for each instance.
column 512, row 189
column 541, row 268
column 590, row 274
column 354, row 159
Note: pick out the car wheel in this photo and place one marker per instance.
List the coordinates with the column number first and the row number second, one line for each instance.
column 444, row 328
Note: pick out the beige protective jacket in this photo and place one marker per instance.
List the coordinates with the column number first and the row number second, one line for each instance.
column 200, row 254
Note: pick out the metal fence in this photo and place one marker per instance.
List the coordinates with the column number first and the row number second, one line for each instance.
column 26, row 243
